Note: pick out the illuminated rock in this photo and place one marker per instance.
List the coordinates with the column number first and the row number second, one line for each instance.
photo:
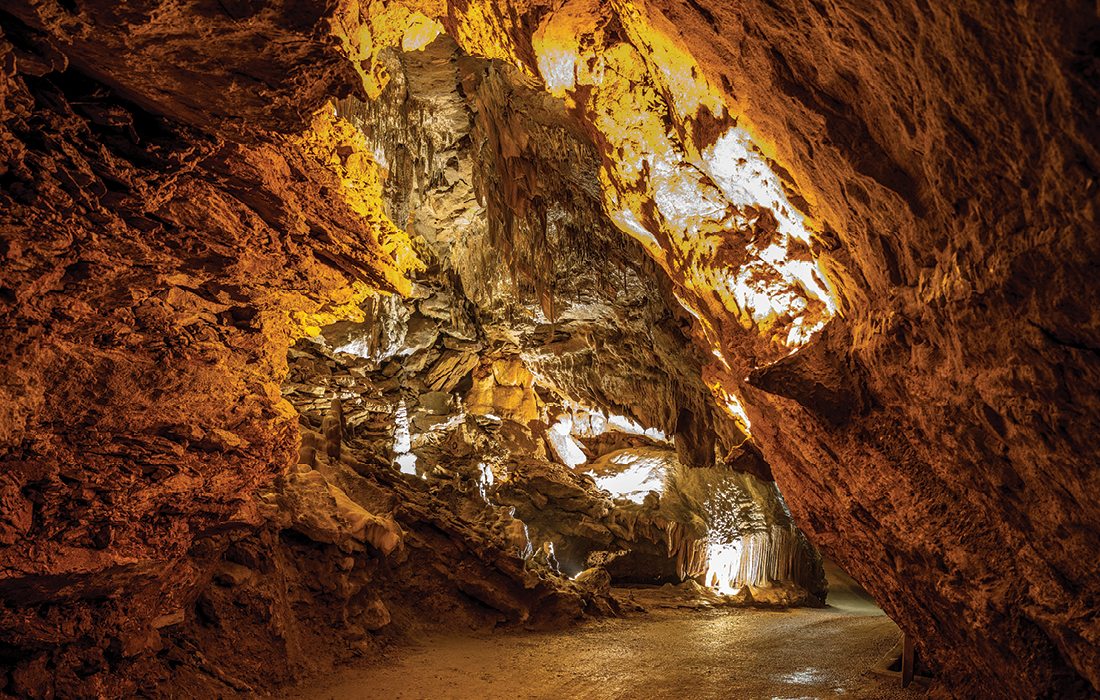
column 178, row 205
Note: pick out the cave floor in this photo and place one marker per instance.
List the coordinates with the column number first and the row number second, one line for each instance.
column 664, row 653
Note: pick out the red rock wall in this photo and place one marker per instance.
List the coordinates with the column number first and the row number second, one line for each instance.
column 953, row 150
column 148, row 268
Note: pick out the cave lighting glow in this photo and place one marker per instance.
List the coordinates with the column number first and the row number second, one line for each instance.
column 724, row 563
column 724, row 194
column 407, row 463
column 402, row 440
column 625, row 425
column 389, row 342
column 565, row 446
column 641, row 475
column 485, row 480
column 582, row 421
column 419, row 32
column 735, row 409
column 589, row 422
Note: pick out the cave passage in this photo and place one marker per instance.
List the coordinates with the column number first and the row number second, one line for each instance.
column 549, row 349
column 537, row 388
column 689, row 565
column 679, row 647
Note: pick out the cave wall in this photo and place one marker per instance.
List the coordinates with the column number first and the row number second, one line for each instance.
column 500, row 186
column 953, row 152
column 153, row 274
column 160, row 256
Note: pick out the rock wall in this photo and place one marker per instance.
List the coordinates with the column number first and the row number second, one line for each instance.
column 951, row 156
column 500, row 184
column 934, row 437
column 150, row 270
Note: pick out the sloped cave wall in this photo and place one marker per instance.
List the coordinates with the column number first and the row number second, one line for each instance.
column 953, row 152
column 935, row 439
column 150, row 267
column 155, row 271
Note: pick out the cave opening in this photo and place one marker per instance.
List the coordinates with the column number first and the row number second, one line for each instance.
column 548, row 348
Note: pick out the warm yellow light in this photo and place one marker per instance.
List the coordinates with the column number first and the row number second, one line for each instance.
column 714, row 214
column 337, row 146
column 723, row 566
column 480, row 32
column 419, row 32
column 730, row 404
column 643, row 96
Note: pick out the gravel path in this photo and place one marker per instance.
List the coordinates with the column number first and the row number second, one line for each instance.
column 723, row 653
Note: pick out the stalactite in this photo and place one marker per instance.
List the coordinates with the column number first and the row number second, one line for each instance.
column 689, row 549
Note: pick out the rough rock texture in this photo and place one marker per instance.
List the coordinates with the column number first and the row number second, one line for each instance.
column 502, row 187
column 953, row 153
column 162, row 213
column 149, row 273
column 351, row 556
column 668, row 528
column 935, row 440
column 536, row 279
column 484, row 428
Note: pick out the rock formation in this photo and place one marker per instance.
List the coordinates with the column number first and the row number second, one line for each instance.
column 864, row 235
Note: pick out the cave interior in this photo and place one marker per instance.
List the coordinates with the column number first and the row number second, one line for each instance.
column 333, row 326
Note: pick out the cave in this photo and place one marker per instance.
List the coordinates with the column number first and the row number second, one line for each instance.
column 549, row 349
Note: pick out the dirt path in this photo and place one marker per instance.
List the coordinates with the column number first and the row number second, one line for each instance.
column 699, row 654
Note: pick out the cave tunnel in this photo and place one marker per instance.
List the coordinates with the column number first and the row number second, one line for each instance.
column 549, row 349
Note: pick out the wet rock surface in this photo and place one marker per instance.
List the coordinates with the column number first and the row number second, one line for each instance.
column 714, row 652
